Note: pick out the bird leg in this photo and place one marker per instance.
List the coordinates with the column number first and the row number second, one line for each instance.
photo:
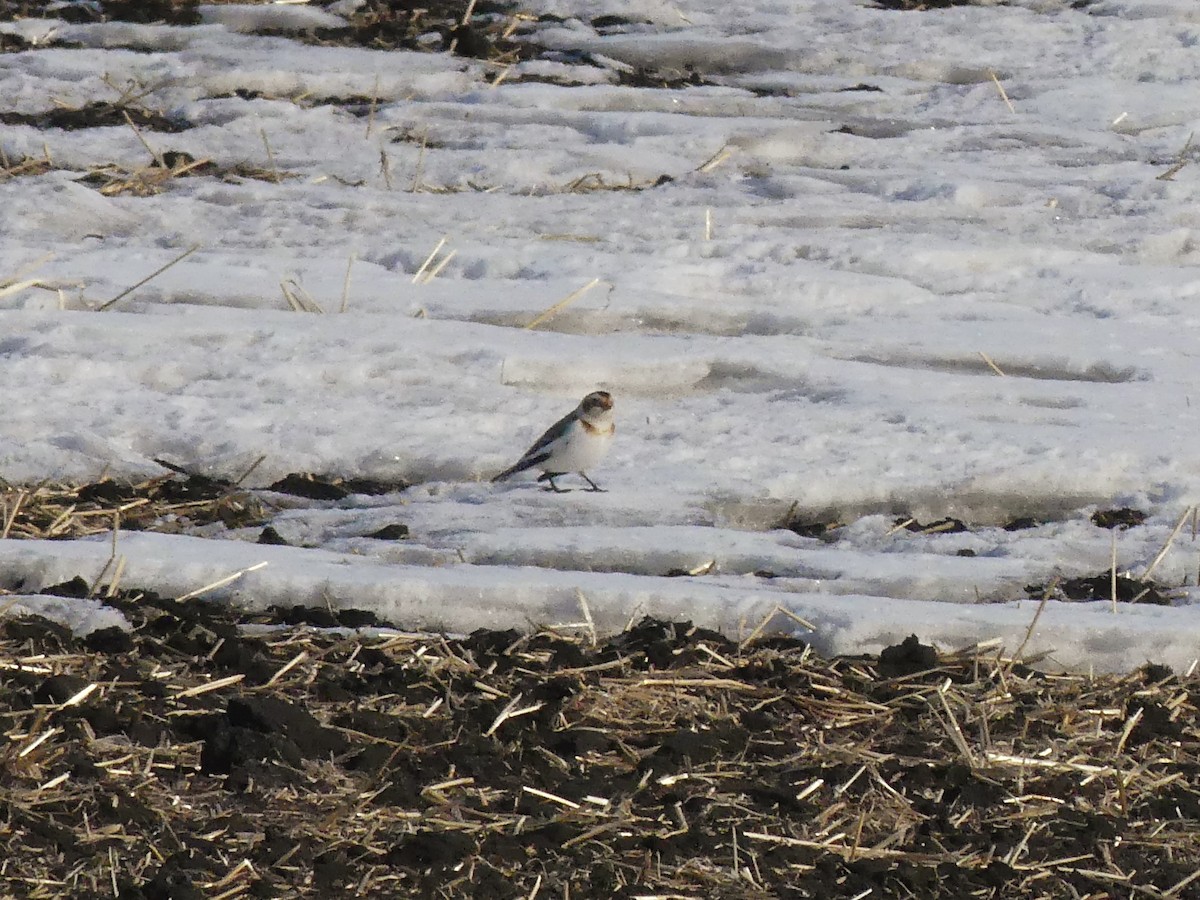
column 550, row 476
column 595, row 489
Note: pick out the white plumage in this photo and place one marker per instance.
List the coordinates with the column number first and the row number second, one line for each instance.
column 575, row 443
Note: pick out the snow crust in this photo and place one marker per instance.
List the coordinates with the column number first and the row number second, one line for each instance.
column 804, row 318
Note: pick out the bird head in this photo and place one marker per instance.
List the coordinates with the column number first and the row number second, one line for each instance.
column 596, row 405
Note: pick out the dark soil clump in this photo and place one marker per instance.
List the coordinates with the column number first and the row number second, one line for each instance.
column 1100, row 587
column 97, row 115
column 320, row 487
column 1118, row 518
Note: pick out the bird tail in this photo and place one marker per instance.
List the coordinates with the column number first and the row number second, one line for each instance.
column 512, row 470
column 525, row 462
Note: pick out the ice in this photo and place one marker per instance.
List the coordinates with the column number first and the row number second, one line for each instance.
column 838, row 279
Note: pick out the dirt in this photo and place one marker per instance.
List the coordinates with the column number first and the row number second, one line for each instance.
column 1102, row 586
column 177, row 502
column 1123, row 518
column 283, row 755
column 98, row 115
column 333, row 487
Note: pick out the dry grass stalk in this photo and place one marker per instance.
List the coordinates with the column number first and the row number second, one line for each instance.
column 552, row 311
column 437, row 269
column 715, row 160
column 587, row 617
column 270, row 156
column 1003, row 93
column 992, row 756
column 1166, row 545
column 724, row 684
column 112, row 557
column 156, row 154
column 114, row 585
column 249, row 470
column 14, row 284
column 591, row 182
column 465, row 20
column 511, row 712
column 955, row 732
column 1041, row 607
column 287, row 667
column 502, row 74
column 1176, row 890
column 385, row 168
column 11, row 516
column 15, row 287
column 290, row 298
column 372, row 108
column 768, row 618
column 1182, row 161
column 991, row 364
column 144, row 181
column 419, row 169
column 424, row 267
column 346, row 284
column 221, row 582
column 515, row 23
column 26, row 165
column 129, row 290
column 298, row 298
column 553, row 798
column 216, row 685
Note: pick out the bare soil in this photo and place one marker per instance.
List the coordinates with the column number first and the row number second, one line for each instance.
column 216, row 754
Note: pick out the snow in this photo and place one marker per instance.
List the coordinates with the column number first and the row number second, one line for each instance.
column 803, row 318
column 81, row 616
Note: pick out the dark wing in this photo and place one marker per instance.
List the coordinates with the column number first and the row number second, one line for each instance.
column 540, row 451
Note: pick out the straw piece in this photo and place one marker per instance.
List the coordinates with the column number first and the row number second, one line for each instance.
column 1003, row 93
column 287, row 667
column 562, row 304
column 270, row 156
column 215, row 685
column 346, row 284
column 553, row 798
column 221, row 582
column 777, row 611
column 129, row 290
column 1167, row 545
column 715, row 160
column 1112, row 580
column 1169, row 174
column 37, row 742
column 990, row 363
column 429, row 259
column 1036, row 615
column 158, row 157
column 437, row 269
column 79, row 696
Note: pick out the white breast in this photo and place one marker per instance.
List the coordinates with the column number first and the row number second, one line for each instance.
column 579, row 451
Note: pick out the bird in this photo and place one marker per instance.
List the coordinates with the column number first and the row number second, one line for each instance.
column 574, row 443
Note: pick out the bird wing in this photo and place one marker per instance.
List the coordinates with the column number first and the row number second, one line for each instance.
column 553, row 433
column 541, row 449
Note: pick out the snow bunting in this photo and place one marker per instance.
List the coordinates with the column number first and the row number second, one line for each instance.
column 574, row 443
